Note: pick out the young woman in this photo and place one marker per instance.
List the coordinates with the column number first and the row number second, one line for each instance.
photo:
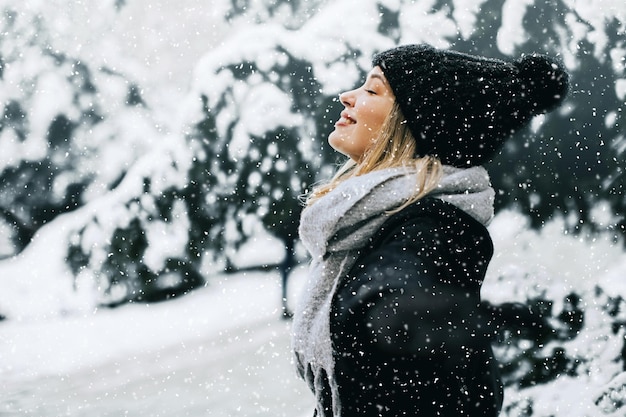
column 390, row 323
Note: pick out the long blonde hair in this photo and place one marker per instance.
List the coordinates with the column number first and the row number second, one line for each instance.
column 395, row 147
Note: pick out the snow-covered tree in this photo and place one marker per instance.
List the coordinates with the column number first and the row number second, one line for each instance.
column 562, row 344
column 256, row 120
column 291, row 14
column 69, row 131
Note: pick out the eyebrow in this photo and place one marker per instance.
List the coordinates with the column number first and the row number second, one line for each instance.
column 380, row 77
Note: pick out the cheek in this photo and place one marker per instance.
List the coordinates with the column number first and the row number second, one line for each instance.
column 379, row 122
column 375, row 119
column 372, row 128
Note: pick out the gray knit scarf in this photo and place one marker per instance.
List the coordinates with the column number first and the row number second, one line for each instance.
column 338, row 225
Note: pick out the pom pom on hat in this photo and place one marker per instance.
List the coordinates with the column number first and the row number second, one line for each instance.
column 544, row 79
column 461, row 108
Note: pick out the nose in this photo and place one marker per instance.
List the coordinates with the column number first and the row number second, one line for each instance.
column 347, row 98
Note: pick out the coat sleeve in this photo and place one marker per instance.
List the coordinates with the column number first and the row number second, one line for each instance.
column 416, row 291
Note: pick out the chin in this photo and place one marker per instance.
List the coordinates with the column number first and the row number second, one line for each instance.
column 335, row 140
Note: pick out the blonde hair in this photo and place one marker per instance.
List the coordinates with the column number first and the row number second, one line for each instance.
column 395, row 147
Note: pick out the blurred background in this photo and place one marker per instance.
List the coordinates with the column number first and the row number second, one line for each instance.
column 151, row 158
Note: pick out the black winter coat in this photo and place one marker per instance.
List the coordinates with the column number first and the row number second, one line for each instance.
column 408, row 335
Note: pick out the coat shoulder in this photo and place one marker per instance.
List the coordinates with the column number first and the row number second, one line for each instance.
column 434, row 223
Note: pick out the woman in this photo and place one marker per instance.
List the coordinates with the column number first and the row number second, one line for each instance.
column 390, row 322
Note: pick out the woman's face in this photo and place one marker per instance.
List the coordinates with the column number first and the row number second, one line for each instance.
column 365, row 111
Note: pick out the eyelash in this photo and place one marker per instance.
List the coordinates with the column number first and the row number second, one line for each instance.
column 370, row 92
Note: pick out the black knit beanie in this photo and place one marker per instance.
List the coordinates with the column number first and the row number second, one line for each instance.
column 461, row 108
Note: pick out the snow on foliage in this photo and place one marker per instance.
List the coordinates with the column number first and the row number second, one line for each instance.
column 70, row 130
column 574, row 366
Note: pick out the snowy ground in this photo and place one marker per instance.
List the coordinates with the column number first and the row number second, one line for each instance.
column 221, row 351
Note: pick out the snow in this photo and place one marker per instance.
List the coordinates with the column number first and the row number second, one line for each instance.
column 261, row 249
column 222, row 349
column 433, row 27
column 167, row 239
column 465, row 15
column 620, row 88
column 513, row 13
column 567, row 261
column 65, row 345
column 45, row 284
column 550, row 262
column 165, row 37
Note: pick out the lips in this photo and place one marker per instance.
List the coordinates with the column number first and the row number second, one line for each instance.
column 345, row 120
